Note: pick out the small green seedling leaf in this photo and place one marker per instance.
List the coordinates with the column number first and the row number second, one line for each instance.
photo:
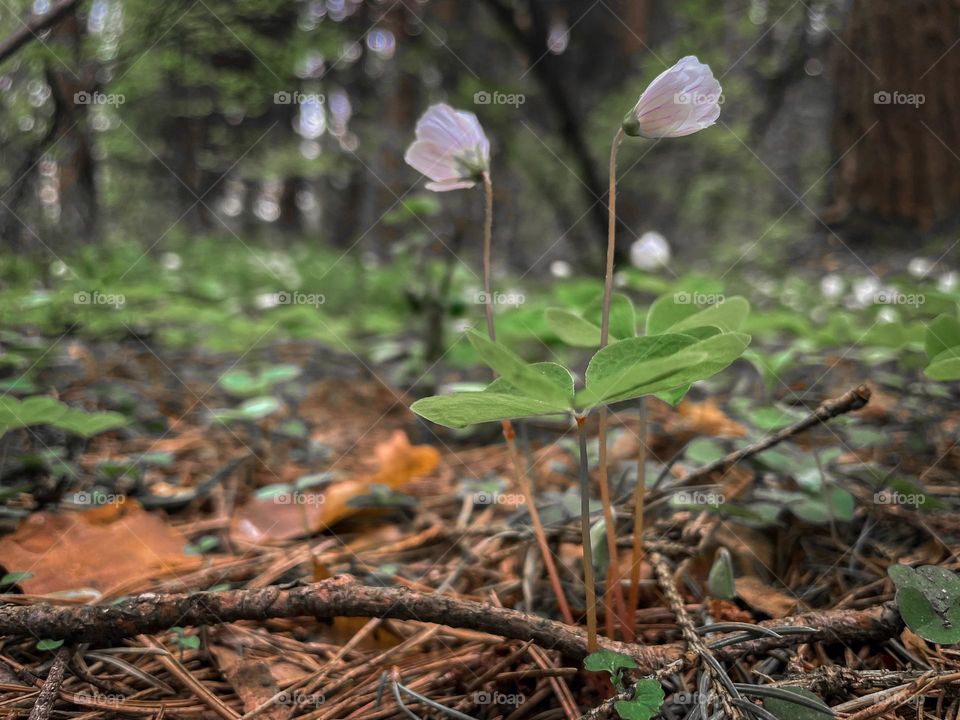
column 786, row 710
column 48, row 644
column 608, row 661
column 647, row 699
column 721, row 578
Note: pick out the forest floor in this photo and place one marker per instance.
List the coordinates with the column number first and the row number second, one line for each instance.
column 338, row 477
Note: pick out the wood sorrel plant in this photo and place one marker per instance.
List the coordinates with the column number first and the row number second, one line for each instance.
column 683, row 343
column 453, row 151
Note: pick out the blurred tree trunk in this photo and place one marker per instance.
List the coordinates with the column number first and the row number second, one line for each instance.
column 897, row 123
column 76, row 169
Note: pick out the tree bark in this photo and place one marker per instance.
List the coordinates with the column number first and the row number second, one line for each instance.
column 897, row 122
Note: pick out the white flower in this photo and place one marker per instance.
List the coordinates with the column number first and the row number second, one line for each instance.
column 450, row 148
column 832, row 286
column 682, row 100
column 650, row 251
column 920, row 267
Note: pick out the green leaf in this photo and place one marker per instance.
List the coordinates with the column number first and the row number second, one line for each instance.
column 623, row 316
column 665, row 312
column 832, row 503
column 609, row 661
column 37, row 410
column 786, row 710
column 922, row 618
column 584, row 330
column 189, row 642
column 721, row 578
column 675, row 313
column 15, row 577
column 89, row 424
column 624, row 365
column 945, row 365
column 942, row 334
column 572, row 329
column 48, row 644
column 531, row 380
column 728, row 315
column 689, row 364
column 647, row 699
column 252, row 409
column 499, row 401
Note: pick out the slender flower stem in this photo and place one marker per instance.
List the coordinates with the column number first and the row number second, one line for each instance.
column 639, row 501
column 588, row 579
column 611, row 239
column 487, row 243
column 520, row 475
column 613, row 585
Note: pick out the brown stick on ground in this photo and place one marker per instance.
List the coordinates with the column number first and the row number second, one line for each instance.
column 342, row 596
column 848, row 402
column 51, row 686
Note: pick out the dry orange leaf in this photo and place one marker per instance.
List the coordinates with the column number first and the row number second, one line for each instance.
column 285, row 517
column 707, row 418
column 100, row 548
column 761, row 596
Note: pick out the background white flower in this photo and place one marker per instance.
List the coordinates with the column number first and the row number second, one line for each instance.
column 682, row 100
column 650, row 251
column 450, row 148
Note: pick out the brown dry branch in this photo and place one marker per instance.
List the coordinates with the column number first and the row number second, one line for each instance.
column 343, row 596
column 724, row 691
column 852, row 400
column 51, row 686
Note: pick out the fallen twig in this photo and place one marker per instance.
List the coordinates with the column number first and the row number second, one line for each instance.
column 723, row 686
column 850, row 401
column 43, row 707
column 343, row 596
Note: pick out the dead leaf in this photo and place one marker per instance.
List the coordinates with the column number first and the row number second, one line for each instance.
column 102, row 548
column 707, row 418
column 765, row 598
column 289, row 516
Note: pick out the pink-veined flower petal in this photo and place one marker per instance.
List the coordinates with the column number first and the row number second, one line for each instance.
column 680, row 101
column 450, row 148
